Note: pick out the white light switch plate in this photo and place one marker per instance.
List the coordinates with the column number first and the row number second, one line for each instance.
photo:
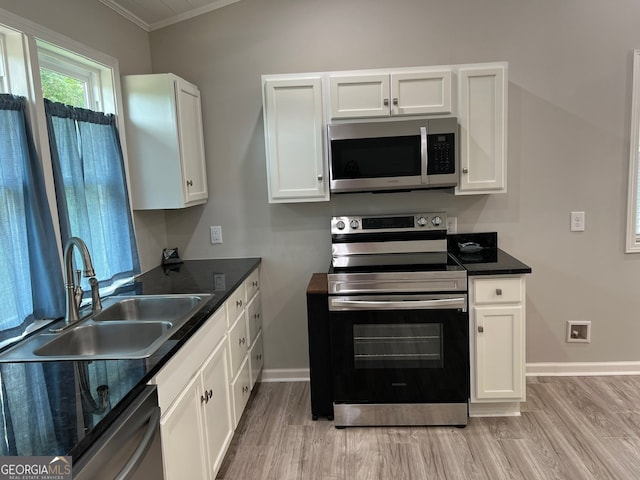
column 216, row 234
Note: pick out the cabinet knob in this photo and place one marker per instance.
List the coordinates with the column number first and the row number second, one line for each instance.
column 207, row 395
column 498, row 291
column 465, row 170
column 242, row 341
column 319, row 178
column 386, row 102
column 189, row 183
column 395, row 101
column 480, row 329
column 238, row 303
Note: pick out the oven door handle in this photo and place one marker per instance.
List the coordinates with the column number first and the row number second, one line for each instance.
column 457, row 302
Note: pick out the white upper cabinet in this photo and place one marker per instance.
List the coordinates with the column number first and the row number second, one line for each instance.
column 165, row 142
column 294, row 137
column 482, row 118
column 415, row 92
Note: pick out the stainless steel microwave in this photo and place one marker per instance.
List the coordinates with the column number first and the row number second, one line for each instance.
column 393, row 155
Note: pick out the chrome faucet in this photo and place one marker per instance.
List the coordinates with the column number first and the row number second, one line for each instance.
column 74, row 292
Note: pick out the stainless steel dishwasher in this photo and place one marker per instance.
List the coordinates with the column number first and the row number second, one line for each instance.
column 130, row 449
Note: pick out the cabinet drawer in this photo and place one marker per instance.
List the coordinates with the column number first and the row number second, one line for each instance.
column 241, row 390
column 256, row 359
column 238, row 346
column 498, row 290
column 236, row 303
column 254, row 318
column 252, row 283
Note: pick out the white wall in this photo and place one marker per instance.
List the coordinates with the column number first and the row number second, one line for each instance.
column 99, row 27
column 569, row 97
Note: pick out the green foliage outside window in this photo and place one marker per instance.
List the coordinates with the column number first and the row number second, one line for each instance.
column 62, row 88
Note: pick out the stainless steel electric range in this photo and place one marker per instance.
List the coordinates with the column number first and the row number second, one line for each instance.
column 399, row 325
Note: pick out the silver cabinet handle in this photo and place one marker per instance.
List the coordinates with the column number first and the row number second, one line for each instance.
column 480, row 329
column 143, row 447
column 498, row 291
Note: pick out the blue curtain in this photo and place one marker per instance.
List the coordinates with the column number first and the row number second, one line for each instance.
column 31, row 285
column 91, row 188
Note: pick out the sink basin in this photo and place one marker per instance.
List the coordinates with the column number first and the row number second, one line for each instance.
column 155, row 307
column 128, row 327
column 114, row 340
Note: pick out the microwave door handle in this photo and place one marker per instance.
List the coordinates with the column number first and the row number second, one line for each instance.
column 424, row 153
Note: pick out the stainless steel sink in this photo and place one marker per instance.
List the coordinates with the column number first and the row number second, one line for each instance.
column 155, row 307
column 127, row 328
column 114, row 340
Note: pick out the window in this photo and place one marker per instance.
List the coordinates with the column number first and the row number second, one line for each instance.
column 81, row 82
column 633, row 209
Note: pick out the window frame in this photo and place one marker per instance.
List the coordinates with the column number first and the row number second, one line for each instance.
column 22, row 40
column 632, row 235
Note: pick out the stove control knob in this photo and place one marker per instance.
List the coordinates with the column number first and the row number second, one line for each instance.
column 340, row 225
column 354, row 224
column 436, row 221
column 422, row 221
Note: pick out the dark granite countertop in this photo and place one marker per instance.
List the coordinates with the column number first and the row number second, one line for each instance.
column 53, row 408
column 490, row 260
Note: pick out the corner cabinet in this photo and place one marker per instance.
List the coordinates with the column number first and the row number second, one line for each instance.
column 165, row 143
column 294, row 138
column 418, row 92
column 482, row 119
column 203, row 389
column 497, row 324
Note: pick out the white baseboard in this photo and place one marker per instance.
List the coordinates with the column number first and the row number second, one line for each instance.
column 285, row 375
column 540, row 369
column 577, row 369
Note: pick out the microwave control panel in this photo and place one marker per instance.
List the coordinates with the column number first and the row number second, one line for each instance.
column 441, row 153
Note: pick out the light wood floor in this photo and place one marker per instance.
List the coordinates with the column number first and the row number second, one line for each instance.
column 570, row 428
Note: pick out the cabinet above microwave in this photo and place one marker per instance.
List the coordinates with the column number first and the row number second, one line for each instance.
column 297, row 109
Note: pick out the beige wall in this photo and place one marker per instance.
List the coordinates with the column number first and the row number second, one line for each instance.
column 569, row 96
column 97, row 26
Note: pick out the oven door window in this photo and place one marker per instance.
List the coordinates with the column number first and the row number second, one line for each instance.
column 386, row 356
column 397, row 346
column 376, row 157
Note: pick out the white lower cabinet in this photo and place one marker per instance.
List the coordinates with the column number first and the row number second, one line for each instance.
column 204, row 388
column 197, row 429
column 497, row 334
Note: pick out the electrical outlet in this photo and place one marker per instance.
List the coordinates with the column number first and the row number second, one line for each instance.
column 577, row 222
column 452, row 224
column 216, row 234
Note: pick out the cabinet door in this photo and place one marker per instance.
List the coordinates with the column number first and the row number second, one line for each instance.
column 359, row 96
column 256, row 359
column 217, row 407
column 238, row 345
column 254, row 319
column 483, row 128
column 499, row 352
column 294, row 135
column 420, row 93
column 183, row 442
column 241, row 389
column 189, row 113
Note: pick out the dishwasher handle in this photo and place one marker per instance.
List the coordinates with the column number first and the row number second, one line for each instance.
column 145, row 443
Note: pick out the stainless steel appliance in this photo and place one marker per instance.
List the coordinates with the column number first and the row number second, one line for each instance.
column 399, row 324
column 393, row 155
column 130, row 448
